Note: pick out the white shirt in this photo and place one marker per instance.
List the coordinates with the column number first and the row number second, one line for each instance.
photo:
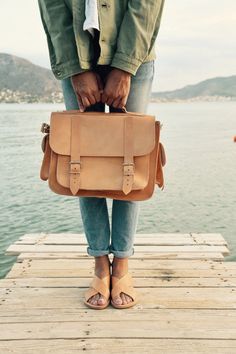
column 91, row 14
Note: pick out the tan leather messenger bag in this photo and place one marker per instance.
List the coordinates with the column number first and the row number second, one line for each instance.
column 112, row 155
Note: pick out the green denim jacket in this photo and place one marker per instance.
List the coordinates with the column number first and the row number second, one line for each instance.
column 128, row 29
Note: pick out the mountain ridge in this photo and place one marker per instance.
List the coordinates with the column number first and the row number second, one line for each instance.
column 22, row 80
column 220, row 86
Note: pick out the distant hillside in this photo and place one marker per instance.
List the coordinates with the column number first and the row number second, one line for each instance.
column 216, row 88
column 20, row 80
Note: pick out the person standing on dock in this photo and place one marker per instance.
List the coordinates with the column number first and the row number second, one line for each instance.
column 103, row 52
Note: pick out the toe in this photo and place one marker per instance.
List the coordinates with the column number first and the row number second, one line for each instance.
column 97, row 298
column 123, row 298
column 101, row 300
column 117, row 300
column 90, row 300
column 128, row 298
column 94, row 299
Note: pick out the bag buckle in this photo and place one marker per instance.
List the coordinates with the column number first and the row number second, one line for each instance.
column 74, row 162
column 128, row 168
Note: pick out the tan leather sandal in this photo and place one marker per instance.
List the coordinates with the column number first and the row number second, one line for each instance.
column 98, row 285
column 125, row 285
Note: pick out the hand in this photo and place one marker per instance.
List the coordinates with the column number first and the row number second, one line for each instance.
column 88, row 87
column 116, row 88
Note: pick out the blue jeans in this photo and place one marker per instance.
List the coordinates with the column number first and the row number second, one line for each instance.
column 94, row 211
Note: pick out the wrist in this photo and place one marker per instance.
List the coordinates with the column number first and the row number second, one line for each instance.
column 80, row 73
column 123, row 72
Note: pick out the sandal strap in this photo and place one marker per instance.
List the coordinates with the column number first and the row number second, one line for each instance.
column 124, row 284
column 99, row 285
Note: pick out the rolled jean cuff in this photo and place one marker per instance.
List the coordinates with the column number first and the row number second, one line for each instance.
column 97, row 253
column 122, row 254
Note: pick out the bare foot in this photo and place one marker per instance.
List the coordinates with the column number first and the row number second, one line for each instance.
column 102, row 269
column 119, row 269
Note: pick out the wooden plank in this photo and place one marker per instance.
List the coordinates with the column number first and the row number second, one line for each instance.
column 27, row 315
column 81, row 239
column 18, row 271
column 125, row 345
column 197, row 327
column 151, row 282
column 208, row 238
column 145, row 239
column 67, row 264
column 161, row 234
column 16, row 249
column 150, row 255
column 62, row 235
column 35, row 235
column 222, row 298
column 138, row 241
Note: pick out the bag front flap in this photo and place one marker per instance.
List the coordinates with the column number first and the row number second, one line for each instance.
column 101, row 134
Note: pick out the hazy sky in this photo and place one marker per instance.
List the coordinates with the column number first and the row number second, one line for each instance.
column 196, row 39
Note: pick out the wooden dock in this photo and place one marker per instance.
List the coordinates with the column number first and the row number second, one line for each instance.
column 187, row 291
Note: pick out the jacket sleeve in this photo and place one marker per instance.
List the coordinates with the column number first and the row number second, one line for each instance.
column 58, row 25
column 137, row 34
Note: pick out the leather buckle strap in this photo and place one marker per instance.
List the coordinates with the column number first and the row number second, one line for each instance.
column 75, row 163
column 128, row 169
column 75, row 169
column 128, row 164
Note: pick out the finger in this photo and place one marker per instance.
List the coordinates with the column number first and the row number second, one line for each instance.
column 123, row 102
column 80, row 103
column 97, row 96
column 117, row 102
column 89, row 95
column 109, row 101
column 92, row 99
column 85, row 102
column 104, row 97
